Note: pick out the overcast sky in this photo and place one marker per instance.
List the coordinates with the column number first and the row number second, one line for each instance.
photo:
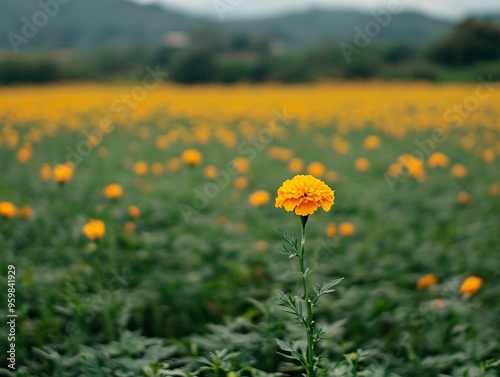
column 249, row 8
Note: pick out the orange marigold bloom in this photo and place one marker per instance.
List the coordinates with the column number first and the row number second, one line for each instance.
column 130, row 227
column 113, row 191
column 316, row 169
column 361, row 164
column 241, row 183
column 210, row 172
column 426, row 281
column 295, row 165
column 488, row 156
column 304, row 194
column 63, row 173
column 261, row 245
column 464, row 198
column 495, row 189
column 94, row 229
column 45, row 172
column 191, row 157
column 347, row 229
column 438, row 159
column 259, row 198
column 241, row 165
column 141, row 168
column 157, row 168
column 459, row 171
column 7, row 210
column 470, row 286
column 134, row 212
column 331, row 230
column 25, row 212
column 174, row 164
column 372, row 142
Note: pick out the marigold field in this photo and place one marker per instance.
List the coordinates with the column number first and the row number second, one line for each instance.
column 142, row 227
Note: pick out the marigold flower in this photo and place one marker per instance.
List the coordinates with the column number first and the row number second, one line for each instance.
column 63, row 173
column 210, row 172
column 259, row 198
column 157, row 168
column 459, row 171
column 261, row 245
column 372, row 142
column 495, row 189
column 470, row 286
column 174, row 164
column 130, row 227
column 241, row 183
column 331, row 230
column 347, row 229
column 24, row 154
column 464, row 198
column 25, row 212
column 134, row 212
column 94, row 229
column 361, row 164
column 414, row 166
column 7, row 210
column 191, row 157
column 46, row 172
column 316, row 169
column 295, row 165
column 438, row 160
column 141, row 168
column 304, row 194
column 426, row 281
column 488, row 156
column 241, row 165
column 113, row 191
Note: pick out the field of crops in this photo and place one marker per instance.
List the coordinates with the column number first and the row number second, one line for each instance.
column 141, row 225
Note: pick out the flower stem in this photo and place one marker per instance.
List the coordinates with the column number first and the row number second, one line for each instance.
column 309, row 320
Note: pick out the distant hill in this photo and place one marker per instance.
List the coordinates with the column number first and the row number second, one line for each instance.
column 117, row 24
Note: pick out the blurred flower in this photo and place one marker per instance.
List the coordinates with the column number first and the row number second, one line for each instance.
column 7, row 210
column 361, row 164
column 25, row 212
column 438, row 159
column 414, row 167
column 261, row 245
column 372, row 142
column 174, row 164
column 134, row 212
column 331, row 230
column 426, row 281
column 141, row 168
column 241, row 183
column 191, row 157
column 45, row 172
column 464, row 198
column 130, row 227
column 280, row 153
column 305, row 194
column 113, row 191
column 488, row 156
column 495, row 189
column 94, row 229
column 241, row 165
column 347, row 229
column 470, row 286
column 316, row 169
column 63, row 173
column 210, row 172
column 24, row 154
column 102, row 152
column 332, row 176
column 157, row 168
column 459, row 171
column 295, row 165
column 259, row 198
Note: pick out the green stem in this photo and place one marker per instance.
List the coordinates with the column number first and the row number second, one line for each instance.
column 309, row 321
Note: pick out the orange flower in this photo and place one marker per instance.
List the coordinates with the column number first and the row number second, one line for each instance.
column 426, row 281
column 470, row 286
column 488, row 156
column 157, row 168
column 331, row 230
column 304, row 194
column 25, row 212
column 141, row 168
column 372, row 142
column 241, row 183
column 130, row 227
column 438, row 159
column 362, row 164
column 113, row 191
column 174, row 164
column 134, row 212
column 63, row 173
column 7, row 210
column 210, row 172
column 241, row 165
column 347, row 229
column 45, row 172
column 261, row 245
column 94, row 229
column 316, row 169
column 495, row 189
column 295, row 165
column 459, row 171
column 464, row 198
column 24, row 154
column 191, row 157
column 414, row 166
column 259, row 198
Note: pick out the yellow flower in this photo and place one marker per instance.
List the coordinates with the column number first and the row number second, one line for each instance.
column 426, row 281
column 210, row 172
column 464, row 198
column 316, row 169
column 134, row 212
column 495, row 189
column 347, row 229
column 24, row 154
column 191, row 157
column 113, row 191
column 241, row 183
column 488, row 156
column 361, row 164
column 459, row 171
column 94, row 229
column 295, row 165
column 280, row 153
column 438, row 159
column 141, row 168
column 25, row 212
column 241, row 165
column 63, row 173
column 470, row 286
column 45, row 172
column 332, row 176
column 414, row 166
column 7, row 210
column 331, row 230
column 372, row 142
column 259, row 198
column 304, row 194
column 174, row 164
